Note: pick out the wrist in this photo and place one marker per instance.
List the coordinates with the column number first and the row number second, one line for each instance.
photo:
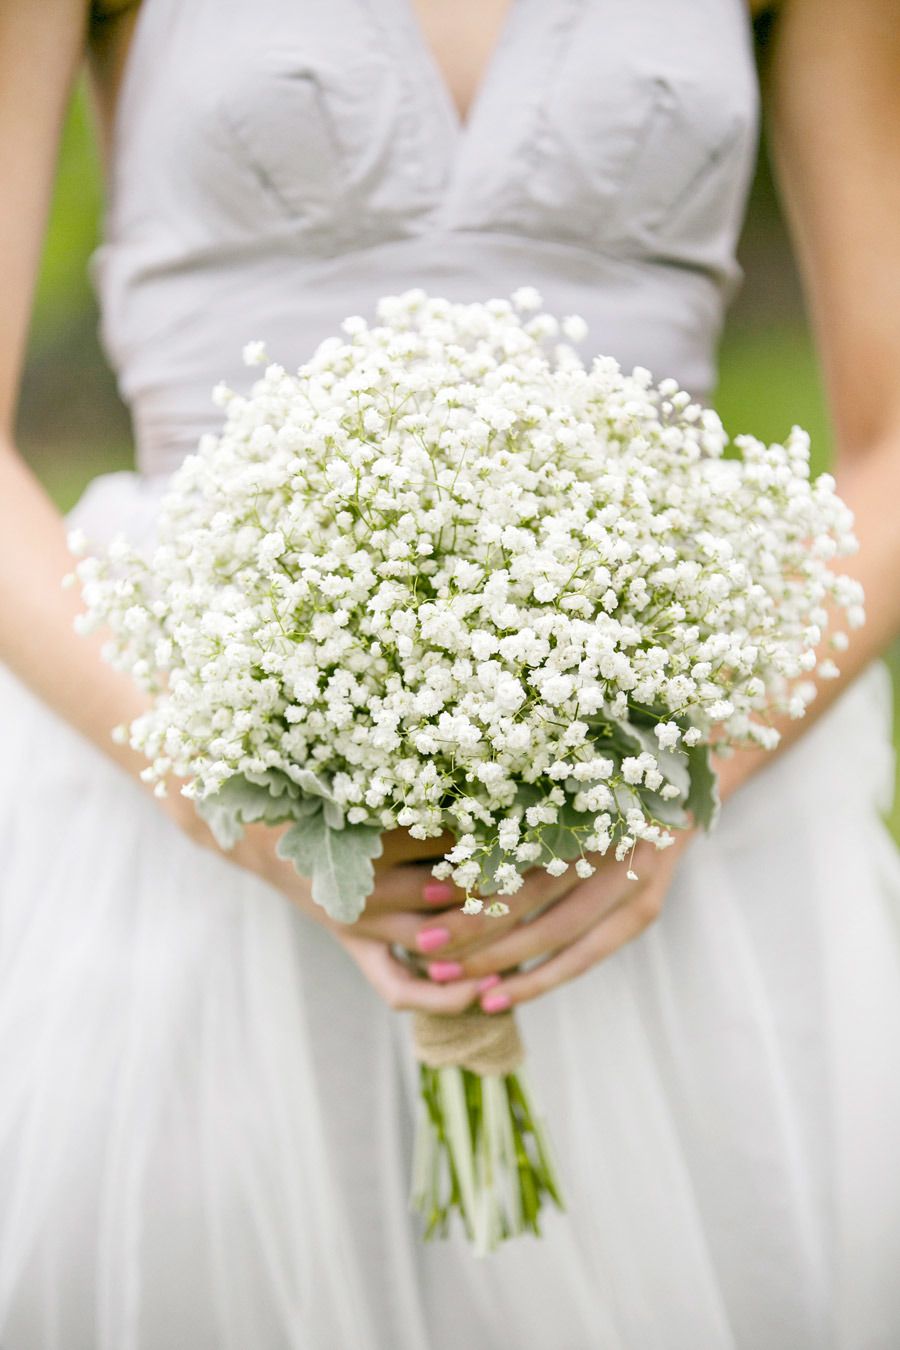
column 737, row 769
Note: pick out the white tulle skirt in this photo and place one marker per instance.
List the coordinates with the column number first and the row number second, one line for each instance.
column 206, row 1115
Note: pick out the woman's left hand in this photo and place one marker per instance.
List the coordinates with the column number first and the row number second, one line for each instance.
column 585, row 926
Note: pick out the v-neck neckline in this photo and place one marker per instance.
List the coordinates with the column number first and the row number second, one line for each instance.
column 427, row 60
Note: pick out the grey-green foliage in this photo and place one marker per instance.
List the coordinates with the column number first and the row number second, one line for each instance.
column 703, row 798
column 338, row 857
column 689, row 769
column 338, row 862
column 270, row 798
column 335, row 856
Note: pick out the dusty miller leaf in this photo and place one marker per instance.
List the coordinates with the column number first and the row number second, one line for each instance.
column 489, row 864
column 311, row 785
column 670, row 813
column 558, row 841
column 338, row 862
column 277, row 782
column 703, row 799
column 240, row 802
column 673, row 764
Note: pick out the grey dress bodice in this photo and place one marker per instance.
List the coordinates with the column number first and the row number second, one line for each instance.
column 278, row 165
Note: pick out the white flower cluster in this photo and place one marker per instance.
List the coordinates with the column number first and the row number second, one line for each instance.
column 447, row 578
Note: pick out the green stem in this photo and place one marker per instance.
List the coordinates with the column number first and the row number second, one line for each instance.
column 482, row 1152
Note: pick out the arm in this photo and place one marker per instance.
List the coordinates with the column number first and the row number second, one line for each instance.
column 835, row 110
column 37, row 640
column 835, row 104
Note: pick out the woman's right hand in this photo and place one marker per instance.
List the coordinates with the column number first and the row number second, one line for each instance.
column 406, row 906
column 405, row 894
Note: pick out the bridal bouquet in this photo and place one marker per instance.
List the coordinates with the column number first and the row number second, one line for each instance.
column 449, row 578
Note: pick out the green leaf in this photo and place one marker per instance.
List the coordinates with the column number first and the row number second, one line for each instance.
column 628, row 798
column 338, row 862
column 489, row 864
column 559, row 842
column 312, row 786
column 240, row 802
column 671, row 813
column 675, row 767
column 334, row 815
column 703, row 799
column 673, row 764
column 611, row 736
column 277, row 783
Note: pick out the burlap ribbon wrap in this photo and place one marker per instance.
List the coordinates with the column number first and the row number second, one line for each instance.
column 484, row 1043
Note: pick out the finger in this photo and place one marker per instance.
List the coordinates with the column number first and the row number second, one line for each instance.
column 404, row 991
column 455, row 934
column 398, row 847
column 626, row 921
column 412, row 887
column 562, row 924
column 401, row 929
column 571, row 910
column 435, row 941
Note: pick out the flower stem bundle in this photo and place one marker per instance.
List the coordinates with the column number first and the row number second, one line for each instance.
column 481, row 1151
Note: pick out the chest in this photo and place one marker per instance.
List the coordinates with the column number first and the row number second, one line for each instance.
column 601, row 123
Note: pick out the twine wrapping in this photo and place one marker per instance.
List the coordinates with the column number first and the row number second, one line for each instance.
column 483, row 1043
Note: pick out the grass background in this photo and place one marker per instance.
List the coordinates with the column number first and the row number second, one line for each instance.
column 71, row 425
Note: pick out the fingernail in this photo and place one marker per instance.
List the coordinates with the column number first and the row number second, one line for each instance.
column 495, row 1003
column 488, row 983
column 444, row 970
column 431, row 938
column 437, row 892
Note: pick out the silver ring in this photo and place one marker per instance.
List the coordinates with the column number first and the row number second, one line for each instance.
column 411, row 960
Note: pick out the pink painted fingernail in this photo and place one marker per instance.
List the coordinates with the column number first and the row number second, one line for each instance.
column 496, row 1003
column 431, row 938
column 438, row 892
column 444, row 970
column 487, row 983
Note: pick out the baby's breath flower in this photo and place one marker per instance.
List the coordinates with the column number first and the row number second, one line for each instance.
column 574, row 328
column 254, row 354
column 465, row 583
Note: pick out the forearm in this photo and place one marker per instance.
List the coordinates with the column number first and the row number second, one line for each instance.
column 38, row 641
column 869, row 481
column 839, row 179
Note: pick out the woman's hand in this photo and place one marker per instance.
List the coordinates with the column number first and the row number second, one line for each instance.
column 590, row 921
column 566, row 924
column 398, row 912
column 403, row 884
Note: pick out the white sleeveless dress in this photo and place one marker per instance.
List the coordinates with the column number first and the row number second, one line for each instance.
column 205, row 1113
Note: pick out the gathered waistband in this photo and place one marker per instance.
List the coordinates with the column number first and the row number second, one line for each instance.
column 659, row 315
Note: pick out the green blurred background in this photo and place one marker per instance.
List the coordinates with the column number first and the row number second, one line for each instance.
column 72, row 425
